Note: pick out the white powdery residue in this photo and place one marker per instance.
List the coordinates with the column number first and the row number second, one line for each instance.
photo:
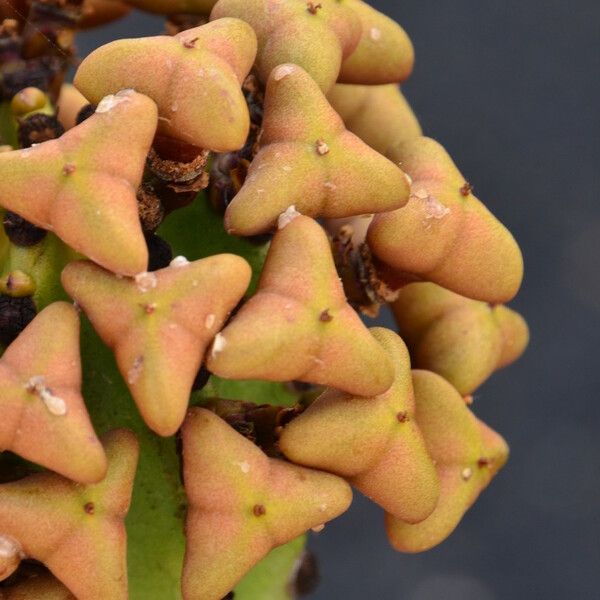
column 219, row 344
column 285, row 218
column 375, row 34
column 55, row 405
column 244, row 466
column 330, row 185
column 174, row 107
column 146, row 281
column 209, row 321
column 9, row 548
column 136, row 370
column 179, row 261
column 109, row 102
column 323, row 507
column 283, row 71
column 467, row 473
column 287, row 168
column 432, row 208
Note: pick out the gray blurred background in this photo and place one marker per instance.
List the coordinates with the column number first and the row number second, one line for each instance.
column 512, row 89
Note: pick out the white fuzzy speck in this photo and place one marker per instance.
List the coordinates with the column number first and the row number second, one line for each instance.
column 55, row 405
column 283, row 71
column 375, row 34
column 285, row 218
column 136, row 370
column 467, row 473
column 330, row 185
column 179, row 261
column 287, row 168
column 174, row 107
column 244, row 467
column 219, row 344
column 146, row 281
column 318, row 528
column 209, row 321
column 109, row 102
column 9, row 548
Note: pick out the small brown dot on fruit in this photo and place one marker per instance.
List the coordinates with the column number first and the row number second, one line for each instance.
column 313, row 8
column 466, row 189
column 325, row 316
column 190, row 43
column 484, row 462
column 259, row 510
column 402, row 417
column 69, row 169
column 89, row 508
column 150, row 308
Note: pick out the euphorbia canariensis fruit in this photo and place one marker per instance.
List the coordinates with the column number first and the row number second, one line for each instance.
column 243, row 504
column 445, row 234
column 82, row 186
column 324, row 201
column 384, row 53
column 159, row 325
column 308, row 159
column 194, row 78
column 467, row 455
column 173, row 7
column 463, row 340
column 374, row 443
column 101, row 12
column 378, row 114
column 77, row 531
column 316, row 36
column 44, row 418
column 70, row 103
column 298, row 326
column 38, row 587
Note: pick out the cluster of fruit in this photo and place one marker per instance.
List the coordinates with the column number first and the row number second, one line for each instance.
column 260, row 395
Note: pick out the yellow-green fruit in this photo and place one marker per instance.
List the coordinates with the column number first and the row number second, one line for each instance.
column 379, row 115
column 316, row 36
column 463, row 340
column 384, row 53
column 445, row 234
column 467, row 453
column 243, row 504
column 172, row 7
column 194, row 77
column 309, row 160
column 373, row 442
